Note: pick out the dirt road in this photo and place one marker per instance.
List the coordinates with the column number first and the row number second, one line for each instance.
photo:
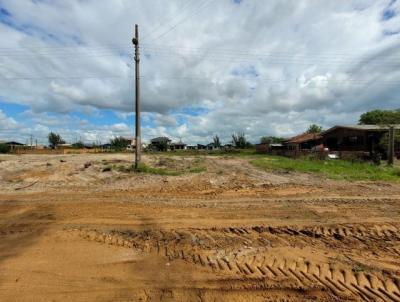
column 73, row 230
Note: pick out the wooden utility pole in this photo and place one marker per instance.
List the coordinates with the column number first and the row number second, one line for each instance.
column 391, row 146
column 138, row 143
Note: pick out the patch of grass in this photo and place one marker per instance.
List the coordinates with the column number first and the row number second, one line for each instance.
column 143, row 168
column 334, row 169
column 197, row 169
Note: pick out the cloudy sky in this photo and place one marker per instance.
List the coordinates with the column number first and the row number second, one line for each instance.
column 208, row 67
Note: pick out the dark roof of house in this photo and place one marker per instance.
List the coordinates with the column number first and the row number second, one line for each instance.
column 302, row 138
column 160, row 139
column 362, row 127
column 14, row 143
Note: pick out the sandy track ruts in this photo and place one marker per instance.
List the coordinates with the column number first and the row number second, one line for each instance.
column 232, row 233
column 248, row 254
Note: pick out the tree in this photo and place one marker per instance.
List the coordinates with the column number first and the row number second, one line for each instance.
column 313, row 128
column 380, row 117
column 55, row 140
column 119, row 143
column 217, row 142
column 239, row 141
column 272, row 140
column 163, row 146
column 4, row 148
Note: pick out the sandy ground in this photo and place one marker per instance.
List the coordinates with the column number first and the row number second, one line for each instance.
column 72, row 231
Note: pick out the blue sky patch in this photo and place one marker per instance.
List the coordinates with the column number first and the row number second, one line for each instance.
column 7, row 19
column 192, row 111
column 389, row 12
column 4, row 13
column 391, row 32
column 103, row 117
column 12, row 110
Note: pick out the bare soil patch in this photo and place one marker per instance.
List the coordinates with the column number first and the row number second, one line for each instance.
column 70, row 231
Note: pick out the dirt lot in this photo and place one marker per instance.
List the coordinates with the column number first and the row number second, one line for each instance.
column 81, row 228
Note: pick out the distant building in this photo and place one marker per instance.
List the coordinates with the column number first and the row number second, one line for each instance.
column 13, row 145
column 131, row 142
column 64, row 146
column 105, row 146
column 356, row 138
column 228, row 146
column 212, row 146
column 305, row 141
column 178, row 146
column 267, row 147
column 161, row 143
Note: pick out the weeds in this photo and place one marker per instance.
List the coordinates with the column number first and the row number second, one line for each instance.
column 143, row 168
column 334, row 169
column 169, row 170
column 197, row 169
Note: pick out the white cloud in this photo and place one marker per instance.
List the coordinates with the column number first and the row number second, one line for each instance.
column 263, row 69
column 7, row 123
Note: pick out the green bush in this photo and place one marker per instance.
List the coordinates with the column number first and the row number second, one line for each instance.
column 5, row 148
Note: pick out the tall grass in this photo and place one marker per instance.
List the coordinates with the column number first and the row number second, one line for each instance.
column 334, row 169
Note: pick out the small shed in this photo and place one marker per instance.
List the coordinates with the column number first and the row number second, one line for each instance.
column 178, row 146
column 305, row 141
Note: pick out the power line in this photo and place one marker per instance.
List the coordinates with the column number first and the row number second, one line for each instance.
column 23, row 50
column 355, row 81
column 218, row 56
column 194, row 12
column 161, row 25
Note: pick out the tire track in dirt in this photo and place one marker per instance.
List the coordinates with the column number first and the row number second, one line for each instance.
column 244, row 252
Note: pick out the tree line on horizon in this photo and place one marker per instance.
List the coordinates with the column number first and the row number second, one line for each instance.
column 239, row 140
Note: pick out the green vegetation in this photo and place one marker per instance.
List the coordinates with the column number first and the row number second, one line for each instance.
column 384, row 118
column 216, row 141
column 5, row 148
column 197, row 169
column 167, row 168
column 55, row 140
column 313, row 128
column 334, row 169
column 78, row 145
column 119, row 143
column 143, row 168
column 272, row 140
column 380, row 117
column 239, row 141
